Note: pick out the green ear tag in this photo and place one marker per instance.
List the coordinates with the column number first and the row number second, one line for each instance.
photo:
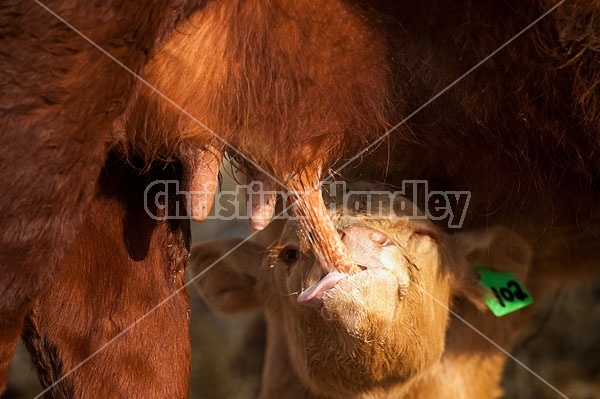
column 507, row 292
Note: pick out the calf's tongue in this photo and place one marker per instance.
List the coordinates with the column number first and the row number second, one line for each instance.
column 313, row 295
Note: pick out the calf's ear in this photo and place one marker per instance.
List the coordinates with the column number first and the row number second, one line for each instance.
column 496, row 248
column 225, row 272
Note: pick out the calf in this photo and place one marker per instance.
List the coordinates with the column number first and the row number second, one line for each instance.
column 383, row 332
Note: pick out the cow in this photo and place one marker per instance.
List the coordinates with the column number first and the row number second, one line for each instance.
column 115, row 321
column 293, row 90
column 77, row 109
column 385, row 331
column 420, row 90
column 63, row 103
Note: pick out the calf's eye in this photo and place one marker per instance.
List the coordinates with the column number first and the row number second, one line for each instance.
column 289, row 255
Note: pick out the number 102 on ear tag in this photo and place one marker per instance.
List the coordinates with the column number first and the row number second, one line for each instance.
column 507, row 293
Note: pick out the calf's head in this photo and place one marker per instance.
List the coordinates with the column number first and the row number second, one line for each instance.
column 376, row 329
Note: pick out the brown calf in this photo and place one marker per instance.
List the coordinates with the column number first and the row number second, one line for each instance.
column 384, row 332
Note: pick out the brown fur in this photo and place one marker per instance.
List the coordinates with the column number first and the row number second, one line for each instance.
column 520, row 132
column 302, row 76
column 61, row 102
column 308, row 78
column 121, row 265
column 318, row 81
column 361, row 353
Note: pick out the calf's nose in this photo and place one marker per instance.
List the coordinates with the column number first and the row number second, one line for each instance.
column 364, row 245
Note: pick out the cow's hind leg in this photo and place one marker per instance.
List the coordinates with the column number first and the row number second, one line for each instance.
column 60, row 99
column 122, row 266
